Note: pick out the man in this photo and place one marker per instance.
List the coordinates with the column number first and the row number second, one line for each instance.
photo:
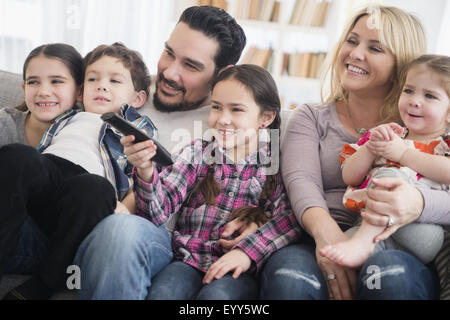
column 122, row 254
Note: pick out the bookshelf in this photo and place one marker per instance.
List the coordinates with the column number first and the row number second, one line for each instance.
column 290, row 38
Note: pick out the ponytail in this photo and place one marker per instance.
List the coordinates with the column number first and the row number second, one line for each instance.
column 257, row 214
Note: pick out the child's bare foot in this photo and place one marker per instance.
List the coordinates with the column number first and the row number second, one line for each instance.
column 351, row 253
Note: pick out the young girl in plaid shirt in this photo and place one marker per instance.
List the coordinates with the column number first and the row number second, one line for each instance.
column 212, row 183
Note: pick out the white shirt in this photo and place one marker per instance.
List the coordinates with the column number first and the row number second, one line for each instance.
column 78, row 142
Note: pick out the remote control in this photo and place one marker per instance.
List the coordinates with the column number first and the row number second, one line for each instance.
column 162, row 156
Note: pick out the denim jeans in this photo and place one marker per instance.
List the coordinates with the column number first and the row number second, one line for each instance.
column 180, row 281
column 120, row 256
column 292, row 273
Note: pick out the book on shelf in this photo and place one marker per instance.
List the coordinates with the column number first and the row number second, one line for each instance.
column 302, row 64
column 223, row 4
column 311, row 13
column 258, row 56
column 275, row 17
column 263, row 10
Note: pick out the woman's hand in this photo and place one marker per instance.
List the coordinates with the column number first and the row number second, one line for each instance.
column 325, row 231
column 392, row 198
column 140, row 155
column 342, row 286
column 236, row 260
column 230, row 228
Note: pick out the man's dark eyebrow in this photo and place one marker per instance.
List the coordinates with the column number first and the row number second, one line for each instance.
column 195, row 63
column 168, row 47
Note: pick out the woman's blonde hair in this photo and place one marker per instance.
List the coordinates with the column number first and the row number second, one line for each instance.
column 401, row 32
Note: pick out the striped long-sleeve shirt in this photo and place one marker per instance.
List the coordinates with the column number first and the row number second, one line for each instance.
column 199, row 226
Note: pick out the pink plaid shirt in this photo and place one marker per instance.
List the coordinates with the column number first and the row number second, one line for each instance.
column 199, row 226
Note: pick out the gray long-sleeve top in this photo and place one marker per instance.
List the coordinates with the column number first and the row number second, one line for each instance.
column 12, row 126
column 311, row 169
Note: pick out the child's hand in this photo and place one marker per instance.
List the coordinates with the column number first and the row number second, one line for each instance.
column 385, row 132
column 381, row 137
column 236, row 260
column 121, row 208
column 392, row 150
column 231, row 228
column 140, row 155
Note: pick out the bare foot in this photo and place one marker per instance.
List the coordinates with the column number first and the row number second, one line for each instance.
column 351, row 253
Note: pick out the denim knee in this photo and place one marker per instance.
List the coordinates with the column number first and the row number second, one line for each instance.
column 395, row 274
column 245, row 287
column 292, row 273
column 128, row 233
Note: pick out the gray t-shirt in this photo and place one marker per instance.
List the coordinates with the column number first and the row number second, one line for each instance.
column 12, row 126
column 312, row 172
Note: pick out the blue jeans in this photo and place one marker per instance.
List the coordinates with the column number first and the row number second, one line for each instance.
column 180, row 281
column 292, row 273
column 120, row 256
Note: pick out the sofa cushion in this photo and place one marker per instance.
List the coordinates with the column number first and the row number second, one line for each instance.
column 11, row 93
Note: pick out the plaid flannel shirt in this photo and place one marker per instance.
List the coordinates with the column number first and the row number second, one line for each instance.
column 118, row 169
column 199, row 226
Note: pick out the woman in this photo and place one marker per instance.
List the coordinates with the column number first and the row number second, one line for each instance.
column 364, row 89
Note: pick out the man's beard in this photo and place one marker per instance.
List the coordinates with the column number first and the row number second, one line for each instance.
column 182, row 106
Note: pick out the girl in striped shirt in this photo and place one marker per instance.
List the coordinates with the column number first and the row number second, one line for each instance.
column 232, row 174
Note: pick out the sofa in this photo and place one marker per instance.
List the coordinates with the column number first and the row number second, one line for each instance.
column 11, row 95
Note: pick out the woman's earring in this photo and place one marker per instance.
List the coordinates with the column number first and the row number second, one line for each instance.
column 262, row 126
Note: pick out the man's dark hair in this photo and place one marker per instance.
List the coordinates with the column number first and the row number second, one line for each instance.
column 216, row 23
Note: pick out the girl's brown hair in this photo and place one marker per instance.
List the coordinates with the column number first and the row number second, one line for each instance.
column 265, row 93
column 436, row 63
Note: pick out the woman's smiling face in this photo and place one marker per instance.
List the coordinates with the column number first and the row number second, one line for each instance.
column 365, row 64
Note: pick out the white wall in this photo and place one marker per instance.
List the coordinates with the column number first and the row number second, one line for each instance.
column 431, row 14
